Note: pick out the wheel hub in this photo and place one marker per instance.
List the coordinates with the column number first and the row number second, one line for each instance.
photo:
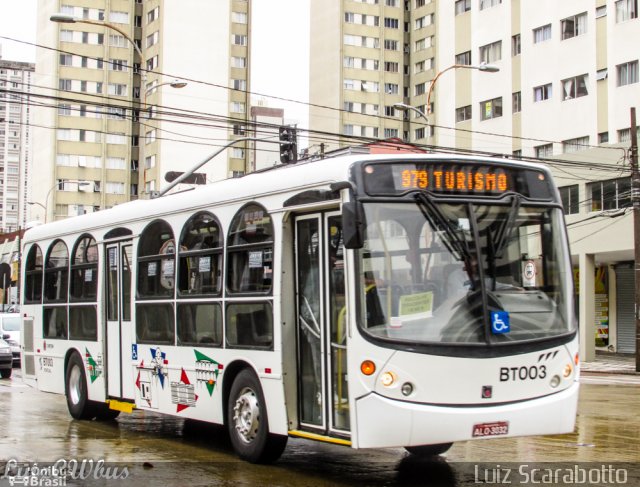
column 75, row 385
column 246, row 415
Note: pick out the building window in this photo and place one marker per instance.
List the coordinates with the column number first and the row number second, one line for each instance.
column 610, row 195
column 390, row 45
column 153, row 14
column 238, row 62
column 602, row 74
column 463, row 113
column 626, row 10
column 239, row 17
column 390, row 23
column 624, row 135
column 545, row 150
column 391, row 88
column 240, row 84
column 390, row 133
column 516, row 102
column 423, row 21
column 543, row 92
column 573, row 26
column 491, row 52
column 491, row 109
column 603, row 137
column 420, row 89
column 569, row 197
column 239, row 40
column 419, row 133
column 489, row 3
column 542, row 34
column 66, row 60
column 119, row 17
column 574, row 87
column 462, row 6
column 516, row 47
column 464, row 58
column 391, row 67
column 574, row 145
column 601, row 11
column 153, row 38
column 627, row 73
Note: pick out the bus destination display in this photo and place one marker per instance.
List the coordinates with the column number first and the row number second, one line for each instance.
column 455, row 178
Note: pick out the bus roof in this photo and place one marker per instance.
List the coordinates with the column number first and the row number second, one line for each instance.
column 305, row 174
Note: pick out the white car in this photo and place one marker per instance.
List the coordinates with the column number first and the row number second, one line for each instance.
column 10, row 331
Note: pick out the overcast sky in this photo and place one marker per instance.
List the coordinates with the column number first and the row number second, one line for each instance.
column 280, row 46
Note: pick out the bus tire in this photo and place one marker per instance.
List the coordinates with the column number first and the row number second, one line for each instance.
column 428, row 450
column 75, row 388
column 247, row 421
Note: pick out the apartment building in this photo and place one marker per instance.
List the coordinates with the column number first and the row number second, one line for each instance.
column 121, row 120
column 266, row 121
column 15, row 143
column 568, row 77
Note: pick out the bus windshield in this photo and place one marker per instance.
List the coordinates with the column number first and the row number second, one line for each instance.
column 467, row 273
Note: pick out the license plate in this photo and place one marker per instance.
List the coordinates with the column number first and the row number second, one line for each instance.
column 490, row 429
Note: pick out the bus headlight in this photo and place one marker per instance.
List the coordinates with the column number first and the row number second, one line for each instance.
column 387, row 379
column 555, row 381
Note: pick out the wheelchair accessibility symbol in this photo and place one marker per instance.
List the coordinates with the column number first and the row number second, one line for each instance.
column 500, row 322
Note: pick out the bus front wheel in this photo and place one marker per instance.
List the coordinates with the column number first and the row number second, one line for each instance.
column 247, row 421
column 76, row 389
column 428, row 450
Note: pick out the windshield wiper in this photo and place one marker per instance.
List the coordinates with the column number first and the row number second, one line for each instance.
column 503, row 235
column 456, row 245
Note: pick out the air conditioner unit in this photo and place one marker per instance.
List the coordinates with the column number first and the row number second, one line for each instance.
column 82, row 162
column 85, row 186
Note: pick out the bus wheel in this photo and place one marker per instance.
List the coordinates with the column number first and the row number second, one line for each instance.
column 247, row 422
column 76, row 390
column 428, row 450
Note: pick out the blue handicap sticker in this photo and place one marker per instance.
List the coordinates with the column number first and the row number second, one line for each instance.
column 500, row 322
column 134, row 351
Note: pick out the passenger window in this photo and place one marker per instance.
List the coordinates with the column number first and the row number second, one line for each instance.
column 250, row 252
column 56, row 274
column 55, row 322
column 33, row 276
column 199, row 324
column 154, row 323
column 250, row 325
column 84, row 270
column 83, row 324
column 200, row 257
column 156, row 261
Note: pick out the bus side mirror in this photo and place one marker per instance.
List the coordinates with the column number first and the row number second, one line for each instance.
column 352, row 231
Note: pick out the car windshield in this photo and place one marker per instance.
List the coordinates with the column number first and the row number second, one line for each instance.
column 11, row 324
column 438, row 272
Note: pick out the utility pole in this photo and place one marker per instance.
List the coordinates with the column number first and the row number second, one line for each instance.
column 635, row 199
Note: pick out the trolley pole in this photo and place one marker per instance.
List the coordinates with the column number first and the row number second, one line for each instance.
column 635, row 199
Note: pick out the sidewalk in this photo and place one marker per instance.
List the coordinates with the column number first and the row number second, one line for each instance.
column 610, row 363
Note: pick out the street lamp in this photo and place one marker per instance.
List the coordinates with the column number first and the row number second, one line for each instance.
column 489, row 68
column 147, row 90
column 46, row 198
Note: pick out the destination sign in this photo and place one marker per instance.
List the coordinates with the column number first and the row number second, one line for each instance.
column 454, row 178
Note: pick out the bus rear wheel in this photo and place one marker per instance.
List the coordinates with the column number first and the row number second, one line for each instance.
column 428, row 450
column 76, row 390
column 248, row 424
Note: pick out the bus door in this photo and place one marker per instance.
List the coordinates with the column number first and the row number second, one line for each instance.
column 321, row 324
column 119, row 331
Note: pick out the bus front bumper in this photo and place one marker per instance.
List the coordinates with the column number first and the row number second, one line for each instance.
column 384, row 422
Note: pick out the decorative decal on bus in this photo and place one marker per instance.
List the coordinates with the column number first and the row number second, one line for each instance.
column 159, row 363
column 183, row 393
column 94, row 367
column 207, row 371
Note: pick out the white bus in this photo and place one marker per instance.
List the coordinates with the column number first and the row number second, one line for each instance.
column 370, row 301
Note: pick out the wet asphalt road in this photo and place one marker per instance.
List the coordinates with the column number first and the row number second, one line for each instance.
column 165, row 451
